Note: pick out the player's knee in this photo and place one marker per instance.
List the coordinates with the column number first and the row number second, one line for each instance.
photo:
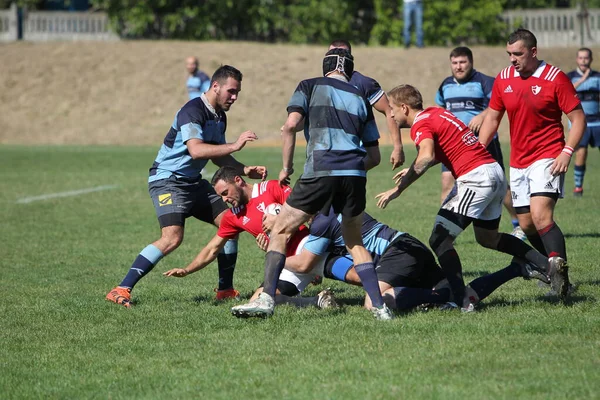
column 487, row 240
column 170, row 241
column 440, row 240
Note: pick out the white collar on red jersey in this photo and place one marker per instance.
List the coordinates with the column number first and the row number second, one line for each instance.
column 536, row 74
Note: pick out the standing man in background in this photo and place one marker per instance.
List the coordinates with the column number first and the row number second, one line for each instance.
column 466, row 94
column 197, row 82
column 413, row 8
column 587, row 83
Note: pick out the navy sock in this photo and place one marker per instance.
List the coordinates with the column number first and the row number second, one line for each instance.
column 274, row 264
column 554, row 240
column 485, row 285
column 450, row 263
column 579, row 174
column 226, row 261
column 536, row 242
column 516, row 247
column 368, row 277
column 515, row 223
column 143, row 264
column 407, row 298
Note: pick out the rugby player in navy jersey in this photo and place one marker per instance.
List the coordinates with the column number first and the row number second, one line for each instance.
column 466, row 93
column 176, row 185
column 379, row 101
column 197, row 82
column 587, row 83
column 343, row 144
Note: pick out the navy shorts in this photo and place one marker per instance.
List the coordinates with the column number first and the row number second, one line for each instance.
column 178, row 198
column 591, row 137
column 346, row 194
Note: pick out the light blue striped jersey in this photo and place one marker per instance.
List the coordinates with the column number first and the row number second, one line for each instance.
column 193, row 121
column 465, row 99
column 197, row 84
column 338, row 124
column 589, row 95
column 326, row 233
column 369, row 87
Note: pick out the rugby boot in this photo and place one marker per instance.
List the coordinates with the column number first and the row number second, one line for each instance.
column 558, row 271
column 325, row 299
column 578, row 192
column 529, row 272
column 120, row 295
column 262, row 307
column 383, row 313
column 227, row 294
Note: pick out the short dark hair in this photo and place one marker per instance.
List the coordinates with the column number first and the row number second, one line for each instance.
column 586, row 49
column 341, row 43
column 462, row 51
column 524, row 35
column 226, row 173
column 406, row 94
column 224, row 72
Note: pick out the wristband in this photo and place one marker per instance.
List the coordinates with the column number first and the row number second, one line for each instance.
column 290, row 170
column 568, row 150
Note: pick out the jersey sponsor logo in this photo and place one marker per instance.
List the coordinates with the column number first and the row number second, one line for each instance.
column 536, row 89
column 245, row 220
column 165, row 199
column 514, row 195
column 417, row 136
column 469, row 138
column 508, row 89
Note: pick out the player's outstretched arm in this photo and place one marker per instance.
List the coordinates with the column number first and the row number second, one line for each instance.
column 251, row 171
column 490, row 125
column 200, row 150
column 578, row 125
column 205, row 257
column 397, row 157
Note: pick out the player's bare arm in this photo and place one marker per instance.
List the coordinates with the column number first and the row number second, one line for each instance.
column 207, row 255
column 373, row 157
column 477, row 121
column 302, row 263
column 490, row 126
column 288, row 136
column 397, row 157
column 200, row 150
column 583, row 78
column 578, row 125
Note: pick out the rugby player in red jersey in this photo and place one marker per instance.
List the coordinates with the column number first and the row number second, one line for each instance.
column 535, row 94
column 477, row 197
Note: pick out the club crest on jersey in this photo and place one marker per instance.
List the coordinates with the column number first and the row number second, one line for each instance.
column 536, row 89
column 261, row 207
column 469, row 138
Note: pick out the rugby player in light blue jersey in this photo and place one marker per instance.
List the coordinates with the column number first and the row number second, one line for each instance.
column 176, row 185
column 379, row 101
column 466, row 93
column 587, row 84
column 342, row 145
column 197, row 82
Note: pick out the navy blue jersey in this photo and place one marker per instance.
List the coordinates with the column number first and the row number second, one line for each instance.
column 465, row 99
column 369, row 87
column 193, row 121
column 338, row 121
column 589, row 95
column 197, row 84
column 326, row 233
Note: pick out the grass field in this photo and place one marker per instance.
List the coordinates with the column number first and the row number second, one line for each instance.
column 61, row 339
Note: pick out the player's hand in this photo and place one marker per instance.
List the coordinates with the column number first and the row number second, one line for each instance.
column 476, row 122
column 268, row 222
column 397, row 158
column 262, row 241
column 560, row 164
column 176, row 272
column 384, row 198
column 256, row 172
column 244, row 138
column 398, row 177
column 284, row 176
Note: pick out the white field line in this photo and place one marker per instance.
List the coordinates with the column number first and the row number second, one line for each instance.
column 26, row 200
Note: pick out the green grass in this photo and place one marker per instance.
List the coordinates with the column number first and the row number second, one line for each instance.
column 59, row 338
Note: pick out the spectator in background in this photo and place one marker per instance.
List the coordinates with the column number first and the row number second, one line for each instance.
column 413, row 7
column 198, row 82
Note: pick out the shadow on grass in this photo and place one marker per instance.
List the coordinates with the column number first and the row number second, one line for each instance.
column 550, row 299
column 583, row 235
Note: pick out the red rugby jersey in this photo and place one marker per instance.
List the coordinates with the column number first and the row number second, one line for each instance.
column 534, row 106
column 249, row 217
column 455, row 144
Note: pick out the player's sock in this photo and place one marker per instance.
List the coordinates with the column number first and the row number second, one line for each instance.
column 579, row 174
column 515, row 223
column 299, row 302
column 407, row 298
column 485, row 285
column 274, row 263
column 368, row 277
column 450, row 263
column 226, row 260
column 536, row 243
column 554, row 240
column 143, row 264
column 337, row 268
column 516, row 247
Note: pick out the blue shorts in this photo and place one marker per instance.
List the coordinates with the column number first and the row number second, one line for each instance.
column 591, row 137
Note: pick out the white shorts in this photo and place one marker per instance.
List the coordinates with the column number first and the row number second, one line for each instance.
column 479, row 193
column 301, row 281
column 534, row 179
